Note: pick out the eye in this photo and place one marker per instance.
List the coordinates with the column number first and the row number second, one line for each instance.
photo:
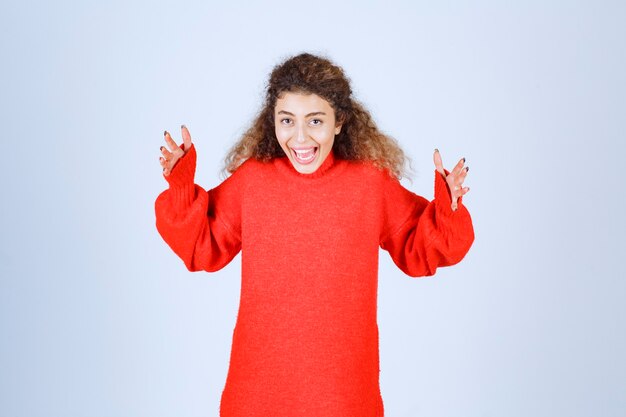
column 316, row 122
column 286, row 121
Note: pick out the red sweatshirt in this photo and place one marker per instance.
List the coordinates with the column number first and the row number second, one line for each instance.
column 306, row 338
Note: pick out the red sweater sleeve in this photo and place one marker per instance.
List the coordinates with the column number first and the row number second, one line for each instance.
column 431, row 235
column 202, row 228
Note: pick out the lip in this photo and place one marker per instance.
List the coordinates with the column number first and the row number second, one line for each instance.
column 303, row 148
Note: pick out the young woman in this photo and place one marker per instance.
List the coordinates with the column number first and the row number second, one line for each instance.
column 313, row 193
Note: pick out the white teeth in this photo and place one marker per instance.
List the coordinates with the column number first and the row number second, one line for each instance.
column 305, row 155
column 307, row 159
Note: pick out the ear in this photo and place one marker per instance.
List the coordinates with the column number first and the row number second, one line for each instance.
column 338, row 126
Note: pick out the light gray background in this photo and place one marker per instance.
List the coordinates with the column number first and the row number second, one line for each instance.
column 99, row 318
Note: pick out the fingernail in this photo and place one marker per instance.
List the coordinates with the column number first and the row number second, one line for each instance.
column 463, row 159
column 161, row 148
column 436, row 150
column 183, row 127
column 466, row 169
column 163, row 169
column 164, row 132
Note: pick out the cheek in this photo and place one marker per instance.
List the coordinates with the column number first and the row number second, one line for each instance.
column 281, row 135
column 327, row 137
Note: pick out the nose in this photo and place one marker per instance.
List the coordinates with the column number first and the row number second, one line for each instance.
column 301, row 135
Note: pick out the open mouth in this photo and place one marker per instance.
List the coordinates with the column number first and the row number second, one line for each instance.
column 304, row 155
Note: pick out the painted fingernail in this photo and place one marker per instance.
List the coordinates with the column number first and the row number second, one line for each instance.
column 466, row 169
column 165, row 133
column 463, row 159
column 183, row 127
column 436, row 150
column 161, row 148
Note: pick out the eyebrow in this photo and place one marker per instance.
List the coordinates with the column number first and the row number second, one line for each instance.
column 315, row 113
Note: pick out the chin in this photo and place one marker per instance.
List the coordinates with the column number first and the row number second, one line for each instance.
column 305, row 169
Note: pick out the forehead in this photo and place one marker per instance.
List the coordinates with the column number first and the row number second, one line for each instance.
column 302, row 103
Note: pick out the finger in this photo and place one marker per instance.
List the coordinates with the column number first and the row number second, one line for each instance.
column 165, row 167
column 186, row 137
column 166, row 154
column 170, row 142
column 438, row 163
column 461, row 177
column 464, row 190
column 455, row 195
column 458, row 167
column 456, row 189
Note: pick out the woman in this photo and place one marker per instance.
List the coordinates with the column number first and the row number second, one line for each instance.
column 314, row 193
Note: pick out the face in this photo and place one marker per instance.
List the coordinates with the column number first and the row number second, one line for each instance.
column 306, row 129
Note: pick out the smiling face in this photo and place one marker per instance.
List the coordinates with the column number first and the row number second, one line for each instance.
column 305, row 129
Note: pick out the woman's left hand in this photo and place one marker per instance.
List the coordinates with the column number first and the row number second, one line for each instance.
column 454, row 179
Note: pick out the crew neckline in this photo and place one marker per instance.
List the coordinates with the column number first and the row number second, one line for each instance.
column 329, row 167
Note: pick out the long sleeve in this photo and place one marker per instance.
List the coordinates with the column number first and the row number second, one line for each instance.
column 202, row 228
column 431, row 235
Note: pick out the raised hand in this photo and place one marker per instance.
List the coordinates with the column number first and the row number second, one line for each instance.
column 454, row 179
column 170, row 157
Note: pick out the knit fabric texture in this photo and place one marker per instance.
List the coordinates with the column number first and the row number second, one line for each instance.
column 305, row 341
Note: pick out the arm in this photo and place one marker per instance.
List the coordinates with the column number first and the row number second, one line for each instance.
column 433, row 235
column 193, row 222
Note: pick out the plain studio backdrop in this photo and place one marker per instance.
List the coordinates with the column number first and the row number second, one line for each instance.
column 99, row 318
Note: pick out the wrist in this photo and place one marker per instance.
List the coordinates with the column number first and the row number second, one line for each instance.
column 184, row 171
column 444, row 196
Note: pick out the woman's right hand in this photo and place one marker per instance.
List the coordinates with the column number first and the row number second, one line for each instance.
column 170, row 157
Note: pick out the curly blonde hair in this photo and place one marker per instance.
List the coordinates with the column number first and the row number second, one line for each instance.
column 359, row 138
